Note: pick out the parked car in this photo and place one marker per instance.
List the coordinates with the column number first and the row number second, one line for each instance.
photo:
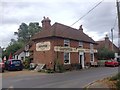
column 111, row 63
column 14, row 64
column 2, row 65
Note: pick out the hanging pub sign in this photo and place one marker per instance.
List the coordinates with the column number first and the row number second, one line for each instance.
column 43, row 46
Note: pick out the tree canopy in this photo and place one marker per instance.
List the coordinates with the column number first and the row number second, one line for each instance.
column 104, row 53
column 12, row 48
column 25, row 32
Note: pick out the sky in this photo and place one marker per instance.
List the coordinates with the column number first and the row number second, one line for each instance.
column 96, row 24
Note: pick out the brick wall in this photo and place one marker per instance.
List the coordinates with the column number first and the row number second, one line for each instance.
column 48, row 57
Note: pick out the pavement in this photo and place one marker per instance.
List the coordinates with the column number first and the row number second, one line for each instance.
column 101, row 84
column 97, row 84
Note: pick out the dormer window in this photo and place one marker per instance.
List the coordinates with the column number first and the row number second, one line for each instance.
column 81, row 44
column 66, row 43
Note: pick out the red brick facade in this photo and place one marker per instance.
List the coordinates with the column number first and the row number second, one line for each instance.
column 48, row 57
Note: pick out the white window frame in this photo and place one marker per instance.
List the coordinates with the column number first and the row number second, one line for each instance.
column 67, row 42
column 81, row 44
column 68, row 57
column 92, row 57
column 91, row 46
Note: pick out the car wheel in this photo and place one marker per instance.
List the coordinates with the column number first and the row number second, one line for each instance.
column 21, row 69
column 8, row 69
column 105, row 65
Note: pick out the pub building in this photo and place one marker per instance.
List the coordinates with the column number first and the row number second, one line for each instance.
column 63, row 44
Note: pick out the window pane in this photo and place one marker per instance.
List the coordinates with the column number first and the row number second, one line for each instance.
column 80, row 44
column 91, row 46
column 91, row 57
column 66, row 57
column 66, row 42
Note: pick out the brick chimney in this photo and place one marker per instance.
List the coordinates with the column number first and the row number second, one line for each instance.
column 106, row 41
column 80, row 28
column 46, row 23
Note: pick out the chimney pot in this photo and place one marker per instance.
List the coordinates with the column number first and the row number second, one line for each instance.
column 46, row 23
column 80, row 28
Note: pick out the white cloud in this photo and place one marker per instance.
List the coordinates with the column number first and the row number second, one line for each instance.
column 95, row 24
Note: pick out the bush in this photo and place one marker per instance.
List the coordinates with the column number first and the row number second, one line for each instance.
column 116, row 78
column 49, row 71
column 26, row 63
column 104, row 53
column 118, row 85
column 58, row 66
column 118, row 82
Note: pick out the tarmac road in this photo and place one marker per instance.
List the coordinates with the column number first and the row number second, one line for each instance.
column 73, row 79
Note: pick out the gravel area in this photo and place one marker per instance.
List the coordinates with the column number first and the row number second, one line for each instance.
column 19, row 73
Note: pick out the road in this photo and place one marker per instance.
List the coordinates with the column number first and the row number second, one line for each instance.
column 73, row 79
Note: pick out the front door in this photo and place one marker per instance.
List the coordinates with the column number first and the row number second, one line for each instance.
column 81, row 59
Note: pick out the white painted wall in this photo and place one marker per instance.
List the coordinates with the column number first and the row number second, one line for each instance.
column 22, row 54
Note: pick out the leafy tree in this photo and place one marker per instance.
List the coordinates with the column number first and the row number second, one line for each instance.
column 12, row 48
column 34, row 28
column 26, row 31
column 104, row 53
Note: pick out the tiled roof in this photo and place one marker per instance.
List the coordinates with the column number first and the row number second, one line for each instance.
column 60, row 30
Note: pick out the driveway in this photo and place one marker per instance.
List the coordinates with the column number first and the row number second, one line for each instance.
column 73, row 79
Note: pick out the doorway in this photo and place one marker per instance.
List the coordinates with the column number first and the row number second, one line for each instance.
column 81, row 59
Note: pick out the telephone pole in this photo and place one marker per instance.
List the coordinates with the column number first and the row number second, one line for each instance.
column 112, row 38
column 118, row 13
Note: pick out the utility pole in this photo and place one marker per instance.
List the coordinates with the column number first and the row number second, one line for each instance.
column 112, row 38
column 118, row 12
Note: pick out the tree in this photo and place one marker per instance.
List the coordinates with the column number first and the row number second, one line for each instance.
column 12, row 48
column 104, row 53
column 26, row 31
column 34, row 28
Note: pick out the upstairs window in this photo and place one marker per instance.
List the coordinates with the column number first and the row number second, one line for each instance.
column 66, row 43
column 81, row 44
column 91, row 46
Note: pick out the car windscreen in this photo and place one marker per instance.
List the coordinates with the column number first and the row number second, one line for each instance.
column 16, row 62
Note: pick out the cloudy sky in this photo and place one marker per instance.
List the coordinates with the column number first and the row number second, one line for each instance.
column 96, row 24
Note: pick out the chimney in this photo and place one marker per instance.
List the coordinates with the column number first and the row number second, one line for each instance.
column 46, row 23
column 107, row 42
column 80, row 28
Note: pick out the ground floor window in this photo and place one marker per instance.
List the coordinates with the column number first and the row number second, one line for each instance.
column 92, row 57
column 66, row 58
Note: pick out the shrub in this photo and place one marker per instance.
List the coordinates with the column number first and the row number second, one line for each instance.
column 116, row 78
column 118, row 82
column 58, row 66
column 26, row 63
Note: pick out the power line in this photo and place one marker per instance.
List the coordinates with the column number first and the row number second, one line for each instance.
column 114, row 24
column 87, row 12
